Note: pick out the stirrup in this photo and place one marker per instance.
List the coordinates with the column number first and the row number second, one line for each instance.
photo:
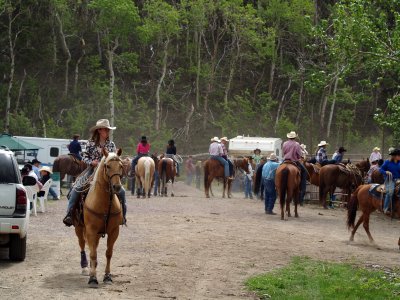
column 68, row 220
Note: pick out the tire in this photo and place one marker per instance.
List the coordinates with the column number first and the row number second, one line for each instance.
column 17, row 249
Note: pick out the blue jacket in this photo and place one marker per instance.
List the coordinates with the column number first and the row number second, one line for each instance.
column 269, row 170
column 74, row 147
column 391, row 166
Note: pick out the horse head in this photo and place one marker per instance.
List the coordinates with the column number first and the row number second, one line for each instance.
column 113, row 169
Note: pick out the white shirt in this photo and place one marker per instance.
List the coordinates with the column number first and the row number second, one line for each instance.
column 215, row 149
column 375, row 156
column 33, row 174
column 251, row 172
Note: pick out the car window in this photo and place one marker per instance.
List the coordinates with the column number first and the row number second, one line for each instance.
column 7, row 169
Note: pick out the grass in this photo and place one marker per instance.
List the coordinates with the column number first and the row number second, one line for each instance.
column 305, row 278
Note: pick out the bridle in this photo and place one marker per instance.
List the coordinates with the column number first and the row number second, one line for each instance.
column 109, row 177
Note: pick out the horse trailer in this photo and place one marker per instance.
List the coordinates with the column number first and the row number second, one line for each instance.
column 245, row 146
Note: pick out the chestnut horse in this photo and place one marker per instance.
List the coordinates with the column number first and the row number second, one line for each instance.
column 332, row 176
column 363, row 166
column 287, row 182
column 214, row 169
column 68, row 164
column 362, row 200
column 167, row 172
column 145, row 176
column 312, row 173
column 102, row 214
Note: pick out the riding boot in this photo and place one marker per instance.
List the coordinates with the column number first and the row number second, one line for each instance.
column 68, row 219
column 122, row 200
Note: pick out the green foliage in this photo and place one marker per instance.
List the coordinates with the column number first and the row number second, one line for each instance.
column 284, row 126
column 391, row 117
column 308, row 279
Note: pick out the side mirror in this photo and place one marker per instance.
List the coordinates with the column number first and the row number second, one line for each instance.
column 28, row 181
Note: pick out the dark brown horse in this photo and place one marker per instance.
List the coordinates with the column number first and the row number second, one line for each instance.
column 377, row 177
column 363, row 166
column 68, row 164
column 312, row 173
column 331, row 176
column 362, row 200
column 213, row 169
column 287, row 181
column 167, row 172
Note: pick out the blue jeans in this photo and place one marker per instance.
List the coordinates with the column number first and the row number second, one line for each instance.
column 269, row 194
column 189, row 178
column 223, row 162
column 135, row 160
column 156, row 181
column 247, row 187
column 389, row 195
column 53, row 193
column 303, row 181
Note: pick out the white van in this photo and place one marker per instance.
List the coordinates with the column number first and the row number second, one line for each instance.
column 245, row 146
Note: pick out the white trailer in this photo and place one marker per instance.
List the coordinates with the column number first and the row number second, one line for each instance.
column 245, row 146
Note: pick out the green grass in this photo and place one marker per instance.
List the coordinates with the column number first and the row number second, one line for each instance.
column 307, row 279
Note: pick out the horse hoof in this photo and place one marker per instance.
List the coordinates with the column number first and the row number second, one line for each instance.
column 107, row 278
column 296, row 215
column 172, row 195
column 93, row 283
column 85, row 271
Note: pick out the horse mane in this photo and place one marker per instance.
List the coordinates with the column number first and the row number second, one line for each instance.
column 101, row 164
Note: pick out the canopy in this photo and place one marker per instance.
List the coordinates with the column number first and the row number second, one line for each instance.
column 15, row 144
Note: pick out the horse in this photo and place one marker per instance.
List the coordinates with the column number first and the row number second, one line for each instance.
column 332, row 176
column 144, row 173
column 377, row 177
column 258, row 187
column 102, row 214
column 214, row 169
column 287, row 181
column 362, row 200
column 363, row 166
column 312, row 173
column 68, row 164
column 167, row 172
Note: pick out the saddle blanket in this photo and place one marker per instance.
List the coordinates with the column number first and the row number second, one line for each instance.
column 377, row 190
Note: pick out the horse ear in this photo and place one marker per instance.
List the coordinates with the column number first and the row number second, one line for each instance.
column 119, row 151
column 105, row 152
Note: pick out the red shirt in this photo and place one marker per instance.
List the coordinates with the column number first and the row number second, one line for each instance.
column 143, row 148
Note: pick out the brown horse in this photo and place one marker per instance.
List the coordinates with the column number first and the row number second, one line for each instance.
column 167, row 172
column 362, row 200
column 68, row 164
column 287, row 181
column 332, row 176
column 102, row 214
column 145, row 176
column 214, row 169
column 363, row 166
column 312, row 173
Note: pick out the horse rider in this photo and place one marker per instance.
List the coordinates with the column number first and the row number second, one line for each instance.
column 292, row 152
column 75, row 147
column 92, row 156
column 142, row 149
column 391, row 171
column 268, row 177
column 216, row 152
column 338, row 155
column 224, row 143
column 171, row 152
column 375, row 156
column 321, row 157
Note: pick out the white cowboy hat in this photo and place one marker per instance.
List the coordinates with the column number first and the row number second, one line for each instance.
column 46, row 168
column 292, row 135
column 215, row 139
column 303, row 146
column 272, row 156
column 224, row 139
column 322, row 143
column 376, row 149
column 102, row 123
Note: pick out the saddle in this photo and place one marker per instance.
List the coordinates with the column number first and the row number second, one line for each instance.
column 317, row 167
column 74, row 158
column 77, row 211
column 379, row 191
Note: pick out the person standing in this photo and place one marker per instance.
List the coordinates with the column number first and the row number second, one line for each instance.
column 75, row 147
column 248, row 179
column 391, row 171
column 35, row 167
column 216, row 152
column 189, row 169
column 338, row 155
column 257, row 157
column 375, row 156
column 142, row 149
column 198, row 174
column 268, row 176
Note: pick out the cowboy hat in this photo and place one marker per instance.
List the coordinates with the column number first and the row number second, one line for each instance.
column 303, row 146
column 102, row 123
column 215, row 139
column 395, row 152
column 292, row 135
column 376, row 149
column 341, row 149
column 391, row 150
column 273, row 156
column 257, row 149
column 224, row 139
column 322, row 143
column 45, row 168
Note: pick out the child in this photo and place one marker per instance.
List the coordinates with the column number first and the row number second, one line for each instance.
column 248, row 179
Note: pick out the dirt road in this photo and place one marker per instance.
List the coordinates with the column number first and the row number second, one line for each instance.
column 188, row 247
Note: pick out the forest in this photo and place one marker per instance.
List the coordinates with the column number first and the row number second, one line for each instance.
column 194, row 69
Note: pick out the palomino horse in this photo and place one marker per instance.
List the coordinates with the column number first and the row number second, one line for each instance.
column 68, row 164
column 287, row 181
column 167, row 172
column 214, row 169
column 332, row 176
column 362, row 200
column 145, row 176
column 102, row 214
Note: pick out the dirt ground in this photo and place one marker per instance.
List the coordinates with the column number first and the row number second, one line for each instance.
column 188, row 247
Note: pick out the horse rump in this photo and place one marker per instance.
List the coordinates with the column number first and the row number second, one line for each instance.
column 284, row 184
column 352, row 207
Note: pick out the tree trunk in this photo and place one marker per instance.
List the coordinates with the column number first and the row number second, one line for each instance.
column 323, row 110
column 229, row 82
column 67, row 53
column 11, row 44
column 198, row 71
column 20, row 92
column 160, row 82
column 281, row 104
column 41, row 117
column 76, row 79
column 187, row 122
column 328, row 129
column 110, row 54
column 300, row 106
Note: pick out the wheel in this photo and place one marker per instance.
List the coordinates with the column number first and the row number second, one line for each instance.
column 17, row 249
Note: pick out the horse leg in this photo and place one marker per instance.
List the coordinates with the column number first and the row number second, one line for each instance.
column 224, row 188
column 229, row 189
column 288, row 200
column 93, row 242
column 296, row 201
column 79, row 230
column 172, row 187
column 366, row 227
column 353, row 232
column 111, row 238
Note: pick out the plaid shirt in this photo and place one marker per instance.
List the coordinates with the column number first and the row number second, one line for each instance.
column 94, row 152
column 321, row 155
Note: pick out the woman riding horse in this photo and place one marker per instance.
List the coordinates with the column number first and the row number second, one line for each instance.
column 92, row 156
column 142, row 149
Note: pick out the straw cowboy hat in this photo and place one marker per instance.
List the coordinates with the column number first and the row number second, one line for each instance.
column 292, row 135
column 215, row 139
column 224, row 139
column 102, row 123
column 376, row 149
column 303, row 146
column 46, row 168
column 272, row 156
column 322, row 143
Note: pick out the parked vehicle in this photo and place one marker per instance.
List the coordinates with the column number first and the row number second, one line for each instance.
column 245, row 145
column 14, row 206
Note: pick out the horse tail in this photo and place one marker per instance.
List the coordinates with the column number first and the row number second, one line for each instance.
column 352, row 208
column 284, row 183
column 147, row 171
column 163, row 168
